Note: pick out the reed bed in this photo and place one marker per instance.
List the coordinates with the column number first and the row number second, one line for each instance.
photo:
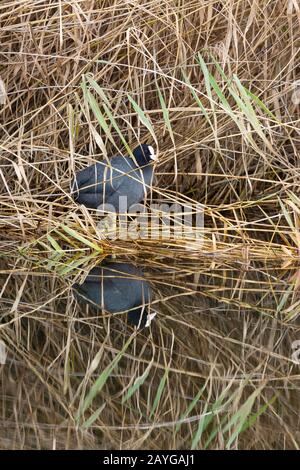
column 214, row 87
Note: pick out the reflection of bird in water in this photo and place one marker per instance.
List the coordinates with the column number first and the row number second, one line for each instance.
column 116, row 288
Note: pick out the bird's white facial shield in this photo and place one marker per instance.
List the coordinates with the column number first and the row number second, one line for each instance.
column 150, row 317
column 153, row 156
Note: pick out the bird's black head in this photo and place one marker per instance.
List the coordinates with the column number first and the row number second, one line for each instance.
column 144, row 154
column 140, row 318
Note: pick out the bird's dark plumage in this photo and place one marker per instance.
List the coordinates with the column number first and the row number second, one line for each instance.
column 116, row 288
column 104, row 183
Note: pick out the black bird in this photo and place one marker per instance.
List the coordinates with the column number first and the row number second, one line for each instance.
column 116, row 288
column 104, row 183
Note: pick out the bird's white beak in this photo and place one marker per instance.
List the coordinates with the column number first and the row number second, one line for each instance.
column 150, row 318
column 153, row 155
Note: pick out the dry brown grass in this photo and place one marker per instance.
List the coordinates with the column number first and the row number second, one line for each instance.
column 227, row 309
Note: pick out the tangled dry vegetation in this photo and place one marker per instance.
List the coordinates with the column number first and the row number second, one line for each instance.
column 216, row 370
